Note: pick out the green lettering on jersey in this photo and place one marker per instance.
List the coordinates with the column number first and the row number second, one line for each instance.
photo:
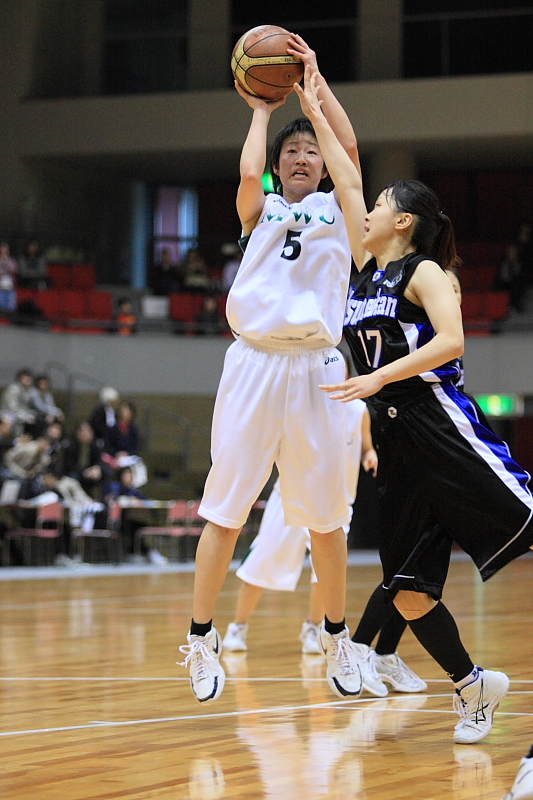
column 298, row 214
column 322, row 218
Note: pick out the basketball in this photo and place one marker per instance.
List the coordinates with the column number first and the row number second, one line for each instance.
column 261, row 64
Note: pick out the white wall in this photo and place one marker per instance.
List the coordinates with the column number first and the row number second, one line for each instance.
column 183, row 365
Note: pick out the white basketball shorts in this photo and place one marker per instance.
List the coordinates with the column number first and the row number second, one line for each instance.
column 276, row 556
column 269, row 410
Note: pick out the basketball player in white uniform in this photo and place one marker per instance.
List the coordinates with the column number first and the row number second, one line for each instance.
column 286, row 309
column 276, row 556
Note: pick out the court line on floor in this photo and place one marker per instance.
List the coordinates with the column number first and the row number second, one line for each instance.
column 335, row 704
column 235, row 679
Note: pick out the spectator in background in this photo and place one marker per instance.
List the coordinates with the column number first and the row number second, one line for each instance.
column 125, row 319
column 196, row 276
column 27, row 459
column 208, row 321
column 122, row 487
column 231, row 267
column 511, row 277
column 82, row 460
column 16, row 402
column 33, row 268
column 103, row 416
column 42, row 401
column 166, row 276
column 123, row 437
column 8, row 273
column 524, row 244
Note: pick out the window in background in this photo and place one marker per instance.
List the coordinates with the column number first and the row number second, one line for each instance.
column 330, row 29
column 145, row 46
column 467, row 37
column 175, row 222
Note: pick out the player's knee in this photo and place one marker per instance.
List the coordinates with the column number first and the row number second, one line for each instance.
column 413, row 605
column 221, row 531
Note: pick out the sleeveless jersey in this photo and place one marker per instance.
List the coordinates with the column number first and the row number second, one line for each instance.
column 381, row 326
column 293, row 279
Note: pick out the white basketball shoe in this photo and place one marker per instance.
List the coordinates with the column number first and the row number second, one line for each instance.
column 202, row 656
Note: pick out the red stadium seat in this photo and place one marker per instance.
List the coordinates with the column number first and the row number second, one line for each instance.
column 73, row 304
column 59, row 275
column 472, row 306
column 82, row 276
column 49, row 303
column 496, row 305
column 100, row 305
column 184, row 306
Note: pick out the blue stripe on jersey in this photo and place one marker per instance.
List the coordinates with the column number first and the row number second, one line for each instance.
column 490, row 447
column 419, row 334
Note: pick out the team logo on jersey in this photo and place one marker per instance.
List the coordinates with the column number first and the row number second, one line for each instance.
column 377, row 276
column 382, row 305
column 394, row 282
column 331, row 360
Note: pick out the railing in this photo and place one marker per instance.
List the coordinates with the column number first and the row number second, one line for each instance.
column 149, row 410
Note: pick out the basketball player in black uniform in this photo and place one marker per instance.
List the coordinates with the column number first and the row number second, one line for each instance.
column 442, row 473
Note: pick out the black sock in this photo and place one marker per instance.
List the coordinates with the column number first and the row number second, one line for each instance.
column 530, row 754
column 375, row 615
column 201, row 628
column 334, row 627
column 390, row 634
column 439, row 635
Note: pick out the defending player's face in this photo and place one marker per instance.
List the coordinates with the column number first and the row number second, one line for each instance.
column 379, row 223
column 301, row 166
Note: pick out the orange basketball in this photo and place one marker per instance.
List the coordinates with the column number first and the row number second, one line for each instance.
column 261, row 64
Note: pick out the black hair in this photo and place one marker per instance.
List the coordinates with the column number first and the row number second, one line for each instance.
column 22, row 372
column 432, row 232
column 297, row 126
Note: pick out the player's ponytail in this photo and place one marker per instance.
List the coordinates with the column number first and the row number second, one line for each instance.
column 432, row 232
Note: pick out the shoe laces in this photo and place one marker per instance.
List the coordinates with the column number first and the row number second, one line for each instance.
column 345, row 655
column 400, row 671
column 198, row 651
column 475, row 714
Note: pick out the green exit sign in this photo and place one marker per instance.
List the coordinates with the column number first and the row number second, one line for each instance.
column 501, row 405
column 266, row 180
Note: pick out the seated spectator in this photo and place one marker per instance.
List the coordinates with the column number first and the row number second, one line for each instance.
column 511, row 277
column 125, row 319
column 103, row 416
column 33, row 268
column 166, row 276
column 208, row 321
column 122, row 487
column 195, row 273
column 26, row 460
column 42, row 401
column 8, row 273
column 82, row 460
column 16, row 401
column 123, row 437
column 231, row 267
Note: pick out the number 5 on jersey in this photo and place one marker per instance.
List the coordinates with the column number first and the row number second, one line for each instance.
column 292, row 247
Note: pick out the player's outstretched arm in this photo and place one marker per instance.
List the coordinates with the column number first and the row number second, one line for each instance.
column 343, row 172
column 331, row 108
column 250, row 195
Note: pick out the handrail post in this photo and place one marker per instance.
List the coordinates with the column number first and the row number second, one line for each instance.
column 186, row 455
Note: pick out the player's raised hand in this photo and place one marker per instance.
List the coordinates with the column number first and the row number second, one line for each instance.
column 258, row 102
column 296, row 46
column 354, row 388
column 308, row 96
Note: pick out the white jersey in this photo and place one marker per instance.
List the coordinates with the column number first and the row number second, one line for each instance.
column 293, row 279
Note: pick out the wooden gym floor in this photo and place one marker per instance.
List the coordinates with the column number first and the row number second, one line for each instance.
column 93, row 705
